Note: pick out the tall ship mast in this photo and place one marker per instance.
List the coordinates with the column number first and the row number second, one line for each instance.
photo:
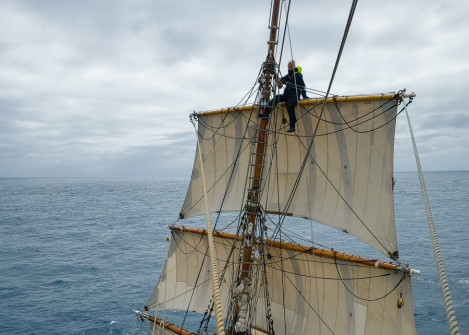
column 336, row 169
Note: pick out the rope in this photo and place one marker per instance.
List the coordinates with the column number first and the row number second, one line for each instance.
column 290, row 199
column 213, row 258
column 165, row 287
column 284, row 32
column 356, row 296
column 307, row 301
column 448, row 303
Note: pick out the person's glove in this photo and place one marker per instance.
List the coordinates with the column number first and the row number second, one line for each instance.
column 279, row 83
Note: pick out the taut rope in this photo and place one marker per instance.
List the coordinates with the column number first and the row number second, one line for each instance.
column 213, row 256
column 448, row 303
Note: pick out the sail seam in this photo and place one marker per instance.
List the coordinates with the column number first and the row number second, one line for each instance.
column 304, row 298
column 345, row 201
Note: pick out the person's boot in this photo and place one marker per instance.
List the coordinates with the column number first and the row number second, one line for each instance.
column 292, row 128
column 266, row 113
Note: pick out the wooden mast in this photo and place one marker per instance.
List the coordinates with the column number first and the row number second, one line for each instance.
column 256, row 181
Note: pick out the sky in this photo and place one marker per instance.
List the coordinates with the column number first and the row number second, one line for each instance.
column 104, row 88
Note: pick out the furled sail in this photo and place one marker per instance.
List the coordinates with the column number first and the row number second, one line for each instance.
column 309, row 293
column 346, row 182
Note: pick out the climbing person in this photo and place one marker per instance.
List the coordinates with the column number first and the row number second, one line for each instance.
column 294, row 85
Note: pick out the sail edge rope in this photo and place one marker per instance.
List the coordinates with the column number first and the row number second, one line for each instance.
column 213, row 261
column 447, row 301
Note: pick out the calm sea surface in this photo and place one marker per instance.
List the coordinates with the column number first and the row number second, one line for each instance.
column 78, row 255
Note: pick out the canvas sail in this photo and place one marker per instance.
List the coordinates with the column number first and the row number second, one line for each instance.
column 347, row 179
column 187, row 270
column 309, row 294
column 311, row 298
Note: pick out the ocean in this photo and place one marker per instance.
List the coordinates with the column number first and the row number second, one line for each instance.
column 78, row 255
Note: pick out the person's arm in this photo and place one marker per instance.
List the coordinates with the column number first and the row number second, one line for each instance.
column 279, row 81
column 300, row 82
column 303, row 91
column 301, row 85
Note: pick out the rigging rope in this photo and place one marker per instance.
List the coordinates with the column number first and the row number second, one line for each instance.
column 219, row 212
column 164, row 299
column 356, row 296
column 448, row 303
column 346, row 123
column 348, row 126
column 297, row 182
column 284, row 32
column 213, row 259
column 311, row 307
column 215, row 130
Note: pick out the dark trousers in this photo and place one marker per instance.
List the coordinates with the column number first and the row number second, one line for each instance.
column 290, row 102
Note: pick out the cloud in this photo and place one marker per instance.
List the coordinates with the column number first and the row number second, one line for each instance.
column 88, row 87
column 453, row 121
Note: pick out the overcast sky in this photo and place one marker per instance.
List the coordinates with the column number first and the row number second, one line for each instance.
column 104, row 88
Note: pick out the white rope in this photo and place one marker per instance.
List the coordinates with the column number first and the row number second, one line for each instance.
column 294, row 73
column 165, row 287
column 448, row 303
column 213, row 256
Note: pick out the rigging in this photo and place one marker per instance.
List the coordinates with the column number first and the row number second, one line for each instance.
column 250, row 263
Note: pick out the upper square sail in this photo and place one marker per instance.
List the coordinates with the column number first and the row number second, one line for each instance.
column 345, row 184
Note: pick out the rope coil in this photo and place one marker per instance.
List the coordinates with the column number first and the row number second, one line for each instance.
column 447, row 302
column 213, row 256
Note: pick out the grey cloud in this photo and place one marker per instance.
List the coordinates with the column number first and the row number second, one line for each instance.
column 96, row 88
column 455, row 121
column 78, row 160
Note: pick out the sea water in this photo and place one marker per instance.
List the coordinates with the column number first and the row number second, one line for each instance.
column 77, row 256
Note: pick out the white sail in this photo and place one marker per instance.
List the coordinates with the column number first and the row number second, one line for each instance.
column 346, row 182
column 308, row 294
column 318, row 301
column 186, row 271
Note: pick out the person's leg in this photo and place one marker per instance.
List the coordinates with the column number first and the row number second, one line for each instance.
column 291, row 104
column 291, row 114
